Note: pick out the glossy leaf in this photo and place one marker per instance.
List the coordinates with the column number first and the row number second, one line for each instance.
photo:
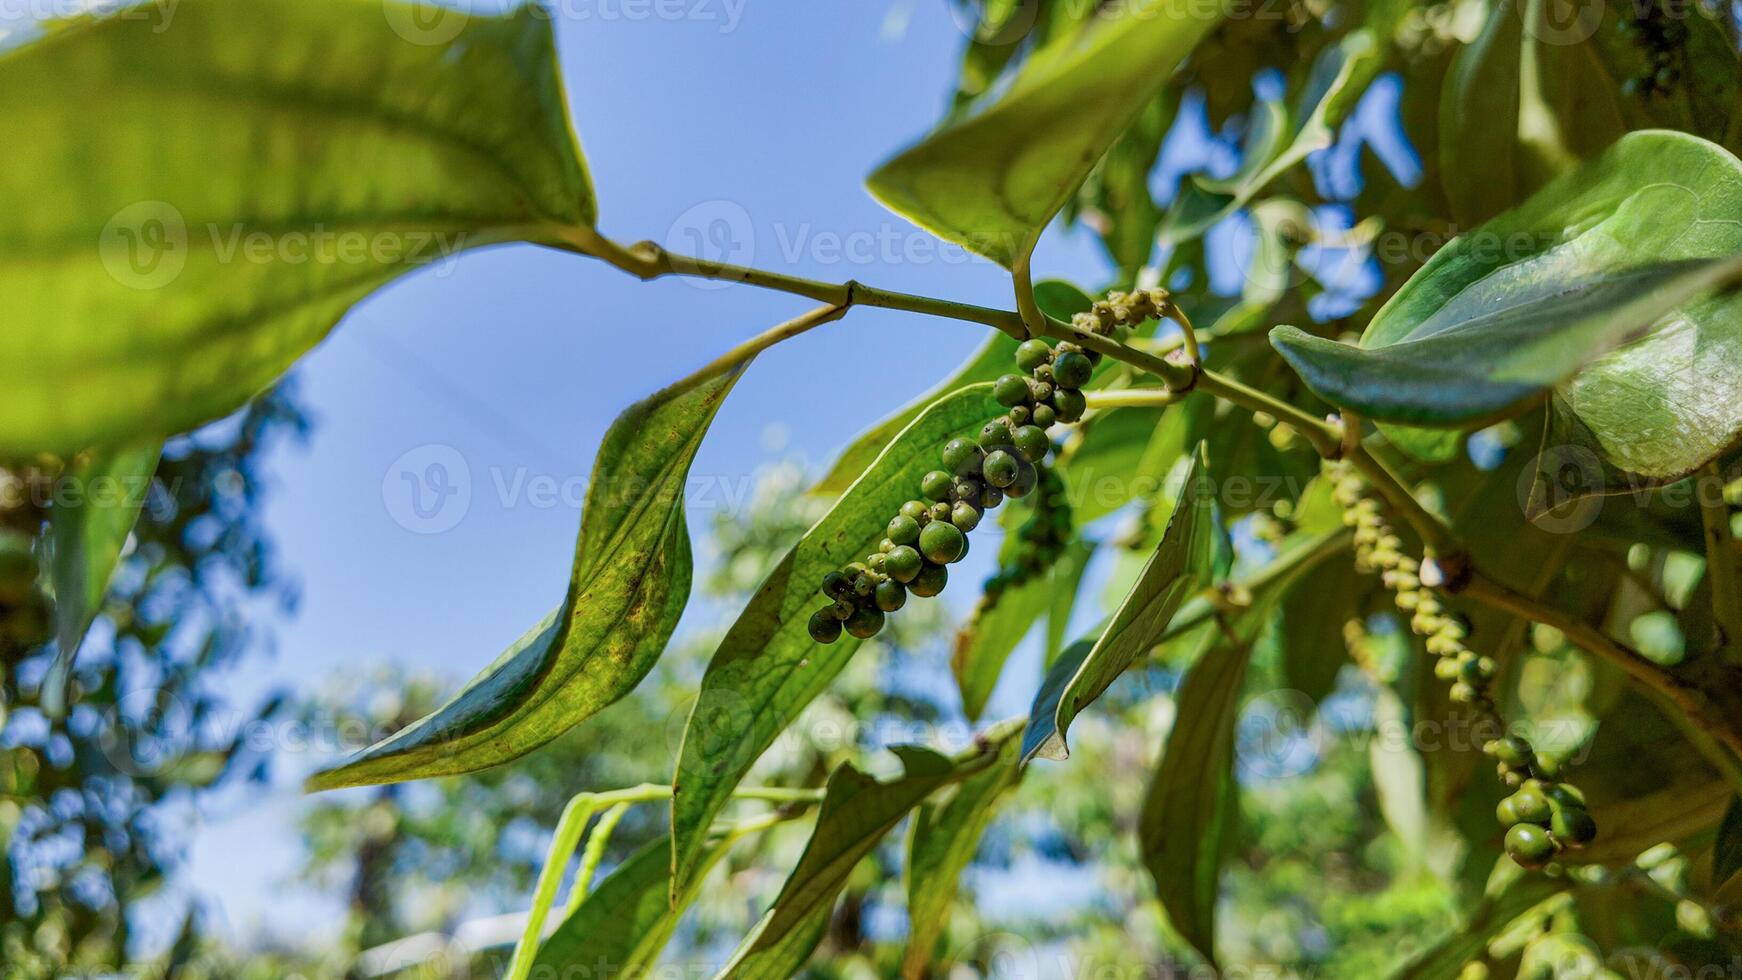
column 857, row 811
column 190, row 210
column 627, row 920
column 1180, row 565
column 92, row 516
column 985, row 182
column 1188, row 818
column 1499, row 317
column 630, row 584
column 1272, row 147
column 945, row 835
column 767, row 667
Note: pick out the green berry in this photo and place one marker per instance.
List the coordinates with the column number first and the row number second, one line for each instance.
column 961, row 456
column 996, row 435
column 836, row 585
column 1530, row 846
column 903, row 529
column 1446, row 669
column 940, row 511
column 942, row 542
column 1041, row 391
column 903, row 563
column 930, row 581
column 1573, row 827
column 842, row 608
column 864, row 585
column 876, row 563
column 1531, row 804
column 1019, row 415
column 865, row 622
column 1027, row 477
column 824, row 627
column 886, row 546
column 1072, row 370
column 991, row 499
column 916, row 509
column 935, row 485
column 1043, row 416
column 1000, row 468
column 1032, row 354
column 1512, row 750
column 965, row 516
column 1011, row 389
column 966, row 488
column 1564, row 794
column 1069, row 404
column 1505, row 812
column 891, row 596
column 1031, row 442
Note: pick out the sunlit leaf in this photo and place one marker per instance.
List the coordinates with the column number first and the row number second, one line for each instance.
column 984, row 181
column 1445, row 960
column 1180, row 565
column 630, row 583
column 191, row 206
column 768, row 668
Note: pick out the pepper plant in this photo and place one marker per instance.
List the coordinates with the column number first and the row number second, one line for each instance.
column 1558, row 326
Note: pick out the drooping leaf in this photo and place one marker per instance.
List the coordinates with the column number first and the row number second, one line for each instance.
column 985, row 641
column 767, row 667
column 946, row 833
column 1180, row 565
column 1188, row 818
column 1498, row 318
column 92, row 515
column 1067, row 580
column 991, row 360
column 1445, row 960
column 191, row 209
column 1399, row 776
column 627, row 920
column 984, row 181
column 630, row 583
column 1313, row 615
column 857, row 811
column 1272, row 148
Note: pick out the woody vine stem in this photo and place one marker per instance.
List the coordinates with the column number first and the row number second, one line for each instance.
column 1334, row 438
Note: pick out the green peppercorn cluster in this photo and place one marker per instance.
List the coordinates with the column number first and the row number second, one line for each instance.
column 931, row 532
column 1543, row 816
column 1039, row 541
column 25, row 613
column 1660, row 37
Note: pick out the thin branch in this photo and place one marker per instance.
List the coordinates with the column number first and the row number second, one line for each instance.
column 1720, row 557
column 597, row 841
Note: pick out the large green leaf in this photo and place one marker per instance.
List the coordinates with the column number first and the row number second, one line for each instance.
column 92, row 515
column 945, row 835
column 767, row 667
column 630, row 584
column 1272, row 148
column 1499, row 317
column 627, row 920
column 1188, row 818
column 1180, row 565
column 992, row 631
column 190, row 209
column 857, row 811
column 991, row 180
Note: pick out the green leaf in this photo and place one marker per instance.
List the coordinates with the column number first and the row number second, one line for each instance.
column 1499, row 317
column 1445, row 959
column 1727, row 852
column 1189, row 814
column 1693, row 808
column 984, row 642
column 628, row 919
column 191, row 209
column 1399, row 776
column 1339, row 77
column 1067, row 580
column 857, row 811
column 630, row 584
column 1180, row 565
column 945, row 835
column 767, row 667
column 93, row 512
column 984, row 181
column 1312, row 617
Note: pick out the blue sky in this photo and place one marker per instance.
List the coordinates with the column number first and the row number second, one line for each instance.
column 514, row 361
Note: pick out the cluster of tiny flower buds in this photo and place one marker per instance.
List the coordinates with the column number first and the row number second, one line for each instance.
column 1543, row 816
column 1123, row 310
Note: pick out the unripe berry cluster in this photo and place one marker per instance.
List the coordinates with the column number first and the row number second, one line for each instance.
column 1544, row 816
column 977, row 475
column 25, row 613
